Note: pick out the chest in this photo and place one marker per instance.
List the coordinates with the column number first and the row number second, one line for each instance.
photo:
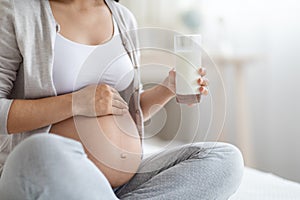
column 76, row 25
column 78, row 65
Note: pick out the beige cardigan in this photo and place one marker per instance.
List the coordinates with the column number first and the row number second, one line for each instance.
column 27, row 35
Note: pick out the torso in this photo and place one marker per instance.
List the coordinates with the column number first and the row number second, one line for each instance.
column 77, row 65
column 111, row 147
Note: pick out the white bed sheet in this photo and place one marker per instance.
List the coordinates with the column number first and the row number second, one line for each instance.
column 257, row 185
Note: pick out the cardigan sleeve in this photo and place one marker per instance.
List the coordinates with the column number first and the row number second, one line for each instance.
column 10, row 59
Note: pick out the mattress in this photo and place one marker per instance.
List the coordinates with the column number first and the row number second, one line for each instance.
column 257, row 185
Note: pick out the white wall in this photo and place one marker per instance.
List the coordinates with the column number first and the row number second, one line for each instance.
column 270, row 30
column 278, row 129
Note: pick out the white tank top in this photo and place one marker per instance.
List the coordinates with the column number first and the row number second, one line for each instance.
column 78, row 65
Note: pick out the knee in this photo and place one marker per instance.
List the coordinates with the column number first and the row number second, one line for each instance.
column 50, row 167
column 226, row 161
column 231, row 164
column 40, row 150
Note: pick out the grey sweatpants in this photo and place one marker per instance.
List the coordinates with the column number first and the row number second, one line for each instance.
column 50, row 167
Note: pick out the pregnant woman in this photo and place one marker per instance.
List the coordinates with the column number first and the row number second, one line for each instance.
column 68, row 132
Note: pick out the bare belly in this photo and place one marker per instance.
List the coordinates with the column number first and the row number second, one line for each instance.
column 112, row 143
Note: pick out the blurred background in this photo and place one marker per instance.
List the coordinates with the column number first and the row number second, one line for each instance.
column 255, row 45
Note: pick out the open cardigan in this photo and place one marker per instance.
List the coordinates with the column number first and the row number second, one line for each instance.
column 27, row 35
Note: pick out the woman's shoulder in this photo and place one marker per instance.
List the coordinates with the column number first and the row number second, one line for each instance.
column 6, row 7
column 29, row 15
column 13, row 5
column 26, row 8
column 20, row 8
column 32, row 6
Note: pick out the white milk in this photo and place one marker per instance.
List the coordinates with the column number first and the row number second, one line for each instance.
column 188, row 61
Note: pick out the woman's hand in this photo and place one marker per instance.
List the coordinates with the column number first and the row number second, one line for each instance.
column 98, row 100
column 203, row 82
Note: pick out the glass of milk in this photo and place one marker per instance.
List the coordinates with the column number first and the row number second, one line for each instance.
column 188, row 60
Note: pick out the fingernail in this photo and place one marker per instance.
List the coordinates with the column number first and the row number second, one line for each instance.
column 200, row 80
column 201, row 89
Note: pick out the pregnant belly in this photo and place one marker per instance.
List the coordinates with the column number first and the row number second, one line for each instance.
column 112, row 143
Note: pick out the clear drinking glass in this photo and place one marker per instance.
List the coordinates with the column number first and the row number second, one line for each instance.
column 188, row 60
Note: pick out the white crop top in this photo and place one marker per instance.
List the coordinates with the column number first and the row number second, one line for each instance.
column 78, row 65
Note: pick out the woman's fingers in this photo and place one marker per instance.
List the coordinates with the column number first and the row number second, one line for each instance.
column 119, row 104
column 116, row 96
column 114, row 90
column 202, row 71
column 203, row 90
column 118, row 111
column 203, row 81
column 118, row 107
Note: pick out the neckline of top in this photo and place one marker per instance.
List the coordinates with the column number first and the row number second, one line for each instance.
column 92, row 46
column 115, row 30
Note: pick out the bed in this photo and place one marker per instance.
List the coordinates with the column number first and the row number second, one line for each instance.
column 256, row 185
column 266, row 186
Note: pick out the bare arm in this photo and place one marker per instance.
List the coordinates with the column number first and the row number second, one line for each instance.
column 153, row 99
column 91, row 101
column 26, row 115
